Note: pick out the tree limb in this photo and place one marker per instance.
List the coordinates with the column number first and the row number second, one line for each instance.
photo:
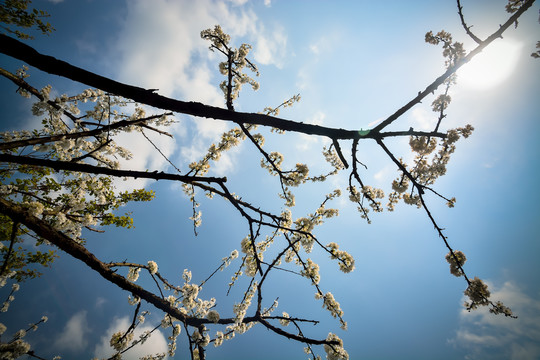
column 86, row 168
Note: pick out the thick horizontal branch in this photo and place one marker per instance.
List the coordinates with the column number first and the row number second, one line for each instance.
column 410, row 132
column 86, row 168
column 21, row 51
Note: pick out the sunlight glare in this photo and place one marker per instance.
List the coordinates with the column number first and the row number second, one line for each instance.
column 492, row 66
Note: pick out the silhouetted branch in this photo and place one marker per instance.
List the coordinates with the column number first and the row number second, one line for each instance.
column 86, row 168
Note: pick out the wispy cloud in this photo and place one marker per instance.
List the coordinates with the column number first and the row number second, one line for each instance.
column 422, row 119
column 153, row 345
column 74, row 336
column 306, row 142
column 159, row 47
column 270, row 47
column 100, row 301
column 485, row 335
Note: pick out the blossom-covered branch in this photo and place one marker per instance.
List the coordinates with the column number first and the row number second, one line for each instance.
column 91, row 169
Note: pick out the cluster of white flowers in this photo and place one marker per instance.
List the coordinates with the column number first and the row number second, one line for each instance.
column 14, row 288
column 241, row 308
column 120, row 341
column 500, row 308
column 330, row 304
column 177, row 329
column 250, row 263
column 276, row 159
column 133, row 300
column 288, row 196
column 346, row 260
column 422, row 145
column 335, row 352
column 286, row 219
column 189, row 295
column 297, row 176
column 218, row 341
column 227, row 260
column 311, row 271
column 152, row 267
column 453, row 51
column 400, row 185
column 426, row 171
column 285, row 321
column 478, row 293
column 333, row 159
column 441, row 103
column 455, row 265
column 197, row 219
column 133, row 273
column 64, row 199
column 233, row 67
column 213, row 316
column 200, row 339
column 14, row 349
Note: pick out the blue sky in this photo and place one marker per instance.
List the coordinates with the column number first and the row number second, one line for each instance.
column 354, row 63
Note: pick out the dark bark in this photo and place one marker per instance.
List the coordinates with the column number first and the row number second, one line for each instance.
column 86, row 168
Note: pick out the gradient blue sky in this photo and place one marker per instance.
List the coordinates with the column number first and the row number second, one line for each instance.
column 354, row 63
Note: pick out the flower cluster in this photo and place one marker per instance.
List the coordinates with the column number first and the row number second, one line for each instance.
column 233, row 67
column 133, row 273
column 120, row 341
column 152, row 267
column 478, row 293
column 275, row 111
column 330, row 304
column 428, row 166
column 240, row 311
column 333, row 159
column 71, row 201
column 285, row 320
column 456, row 261
column 335, row 351
column 213, row 316
column 346, row 261
column 453, row 51
column 311, row 271
column 250, row 262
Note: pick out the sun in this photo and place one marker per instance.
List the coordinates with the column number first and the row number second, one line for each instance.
column 492, row 66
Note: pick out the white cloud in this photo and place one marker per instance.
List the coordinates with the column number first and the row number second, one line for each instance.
column 159, row 47
column 422, row 119
column 144, row 154
column 238, row 2
column 270, row 49
column 267, row 3
column 74, row 336
column 306, row 142
column 485, row 335
column 155, row 344
column 100, row 302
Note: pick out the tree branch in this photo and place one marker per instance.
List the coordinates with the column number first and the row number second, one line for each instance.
column 77, row 135
column 452, row 69
column 467, row 28
column 86, row 168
